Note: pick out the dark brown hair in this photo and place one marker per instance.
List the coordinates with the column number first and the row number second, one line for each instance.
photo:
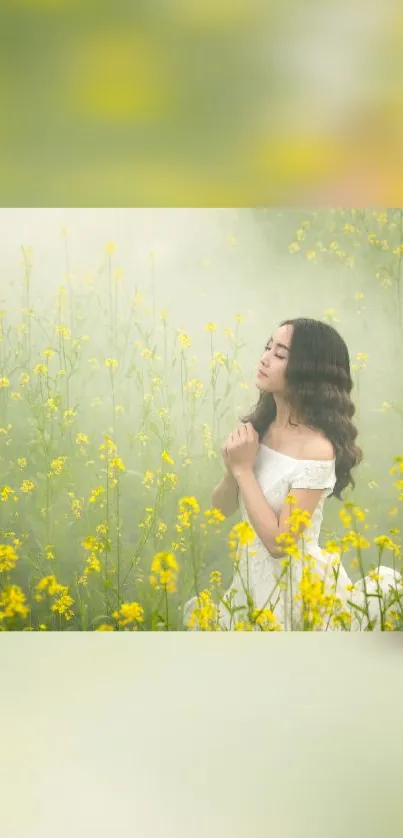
column 319, row 385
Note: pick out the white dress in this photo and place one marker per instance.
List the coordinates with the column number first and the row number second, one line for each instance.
column 277, row 475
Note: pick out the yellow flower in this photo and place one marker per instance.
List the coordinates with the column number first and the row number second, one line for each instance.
column 244, row 625
column 374, row 575
column 287, row 540
column 204, row 615
column 184, row 339
column 244, row 532
column 162, row 528
column 93, row 565
column 81, row 439
column 298, row 517
column 63, row 603
column 5, row 493
column 12, row 603
column 51, row 405
column 294, row 247
column 163, row 561
column 211, row 327
column 214, row 516
column 361, row 359
column 148, row 479
column 89, row 543
column 104, row 627
column 215, row 578
column 40, row 369
column 110, row 248
column 330, row 314
column 102, row 529
column 332, row 547
column 355, row 540
column 8, row 557
column 164, row 566
column 266, row 620
column 69, row 415
column 64, row 331
column 49, row 584
column 111, row 363
column 189, row 504
column 218, row 359
column 229, row 333
column 57, row 465
column 345, row 518
column 4, row 383
column 170, row 477
column 384, row 542
column 129, row 613
column 27, row 486
column 165, row 456
column 195, row 387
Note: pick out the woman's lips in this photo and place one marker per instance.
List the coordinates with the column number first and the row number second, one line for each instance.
column 263, row 374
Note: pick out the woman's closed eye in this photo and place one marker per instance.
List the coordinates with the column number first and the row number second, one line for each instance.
column 282, row 357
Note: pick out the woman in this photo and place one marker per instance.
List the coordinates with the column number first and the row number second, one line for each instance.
column 299, row 440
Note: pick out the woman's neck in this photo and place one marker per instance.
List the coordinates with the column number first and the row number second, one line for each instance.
column 285, row 416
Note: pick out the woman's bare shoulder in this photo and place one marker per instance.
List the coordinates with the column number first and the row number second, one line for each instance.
column 316, row 446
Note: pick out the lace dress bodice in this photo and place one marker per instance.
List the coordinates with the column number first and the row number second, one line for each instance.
column 278, row 474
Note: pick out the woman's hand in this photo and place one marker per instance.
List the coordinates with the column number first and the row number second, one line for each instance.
column 224, row 454
column 240, row 450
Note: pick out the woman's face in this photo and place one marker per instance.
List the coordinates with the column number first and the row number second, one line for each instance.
column 273, row 363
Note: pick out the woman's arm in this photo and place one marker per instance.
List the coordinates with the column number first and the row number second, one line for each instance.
column 262, row 517
column 225, row 495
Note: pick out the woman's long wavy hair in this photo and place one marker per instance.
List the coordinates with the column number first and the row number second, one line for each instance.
column 319, row 384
